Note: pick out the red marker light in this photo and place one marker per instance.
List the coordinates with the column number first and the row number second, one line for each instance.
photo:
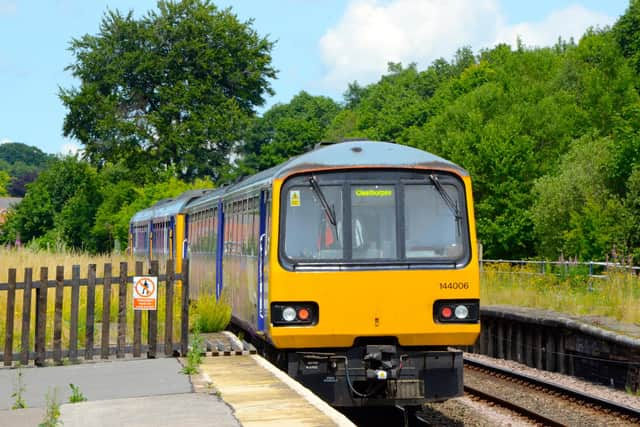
column 446, row 312
column 303, row 314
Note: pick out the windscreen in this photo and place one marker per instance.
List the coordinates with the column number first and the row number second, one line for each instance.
column 373, row 216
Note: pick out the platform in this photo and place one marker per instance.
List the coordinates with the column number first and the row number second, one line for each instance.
column 262, row 395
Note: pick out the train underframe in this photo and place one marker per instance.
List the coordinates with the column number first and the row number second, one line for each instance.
column 377, row 374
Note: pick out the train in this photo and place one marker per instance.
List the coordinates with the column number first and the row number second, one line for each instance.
column 353, row 267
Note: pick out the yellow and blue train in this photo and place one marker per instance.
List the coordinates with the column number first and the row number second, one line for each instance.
column 354, row 266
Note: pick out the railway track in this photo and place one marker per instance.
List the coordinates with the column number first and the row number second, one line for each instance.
column 541, row 401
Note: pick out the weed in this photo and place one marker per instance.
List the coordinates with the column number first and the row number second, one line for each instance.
column 194, row 355
column 211, row 315
column 615, row 293
column 76, row 394
column 52, row 413
column 18, row 390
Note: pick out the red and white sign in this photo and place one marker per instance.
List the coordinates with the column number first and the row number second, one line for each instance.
column 145, row 293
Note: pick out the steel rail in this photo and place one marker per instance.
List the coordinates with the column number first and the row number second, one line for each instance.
column 605, row 404
column 524, row 412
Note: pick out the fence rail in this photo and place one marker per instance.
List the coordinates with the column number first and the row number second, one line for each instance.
column 594, row 268
column 32, row 316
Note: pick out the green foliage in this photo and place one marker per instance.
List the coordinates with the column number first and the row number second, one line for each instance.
column 16, row 152
column 22, row 163
column 76, row 394
column 4, row 183
column 172, row 89
column 286, row 130
column 60, row 204
column 505, row 120
column 18, row 391
column 52, row 410
column 211, row 315
column 194, row 355
column 627, row 33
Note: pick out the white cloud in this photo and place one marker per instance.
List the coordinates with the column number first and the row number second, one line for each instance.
column 5, row 140
column 8, row 8
column 373, row 32
column 569, row 22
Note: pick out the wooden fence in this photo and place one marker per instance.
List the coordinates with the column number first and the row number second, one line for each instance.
column 129, row 339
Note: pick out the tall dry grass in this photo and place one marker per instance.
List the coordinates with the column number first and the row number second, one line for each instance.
column 22, row 258
column 615, row 295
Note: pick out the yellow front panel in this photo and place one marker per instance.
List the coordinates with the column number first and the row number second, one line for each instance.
column 373, row 303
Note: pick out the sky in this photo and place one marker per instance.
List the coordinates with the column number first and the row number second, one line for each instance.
column 321, row 45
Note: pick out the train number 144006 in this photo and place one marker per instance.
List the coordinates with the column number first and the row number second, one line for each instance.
column 454, row 285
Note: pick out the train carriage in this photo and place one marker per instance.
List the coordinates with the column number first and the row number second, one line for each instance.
column 354, row 266
column 158, row 232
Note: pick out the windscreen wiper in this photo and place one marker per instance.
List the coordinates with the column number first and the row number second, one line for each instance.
column 328, row 210
column 453, row 206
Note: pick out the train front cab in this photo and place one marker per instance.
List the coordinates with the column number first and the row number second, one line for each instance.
column 364, row 301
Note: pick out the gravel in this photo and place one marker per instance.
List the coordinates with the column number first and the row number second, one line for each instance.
column 464, row 411
column 574, row 383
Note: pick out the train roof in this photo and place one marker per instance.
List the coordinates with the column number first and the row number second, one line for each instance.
column 206, row 199
column 170, row 206
column 361, row 153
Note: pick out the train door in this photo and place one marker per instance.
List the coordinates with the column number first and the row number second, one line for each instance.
column 262, row 251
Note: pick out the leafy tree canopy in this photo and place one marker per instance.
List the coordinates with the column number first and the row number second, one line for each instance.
column 4, row 182
column 17, row 152
column 170, row 91
column 59, row 206
column 286, row 130
column 22, row 163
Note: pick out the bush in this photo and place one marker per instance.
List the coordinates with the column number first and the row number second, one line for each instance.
column 211, row 315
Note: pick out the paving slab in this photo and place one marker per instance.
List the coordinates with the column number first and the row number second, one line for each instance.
column 96, row 381
column 184, row 410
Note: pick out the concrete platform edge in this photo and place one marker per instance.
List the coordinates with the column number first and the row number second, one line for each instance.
column 314, row 400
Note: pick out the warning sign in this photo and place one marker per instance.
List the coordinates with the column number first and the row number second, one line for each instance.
column 145, row 293
column 294, row 198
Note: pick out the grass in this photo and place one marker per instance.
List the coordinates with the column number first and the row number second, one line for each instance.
column 24, row 258
column 615, row 295
column 210, row 315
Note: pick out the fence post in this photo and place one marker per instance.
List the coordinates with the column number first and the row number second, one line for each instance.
column 91, row 302
column 168, row 316
column 137, row 321
column 75, row 309
column 152, row 316
column 41, row 316
column 122, row 310
column 57, row 321
column 184, row 317
column 26, row 316
column 11, row 302
column 106, row 312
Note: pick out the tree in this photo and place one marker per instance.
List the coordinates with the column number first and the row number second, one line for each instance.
column 171, row 91
column 627, row 33
column 23, row 163
column 15, row 152
column 286, row 130
column 60, row 206
column 4, row 182
column 574, row 213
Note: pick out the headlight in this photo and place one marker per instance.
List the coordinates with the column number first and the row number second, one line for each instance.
column 461, row 312
column 456, row 311
column 303, row 313
column 289, row 314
